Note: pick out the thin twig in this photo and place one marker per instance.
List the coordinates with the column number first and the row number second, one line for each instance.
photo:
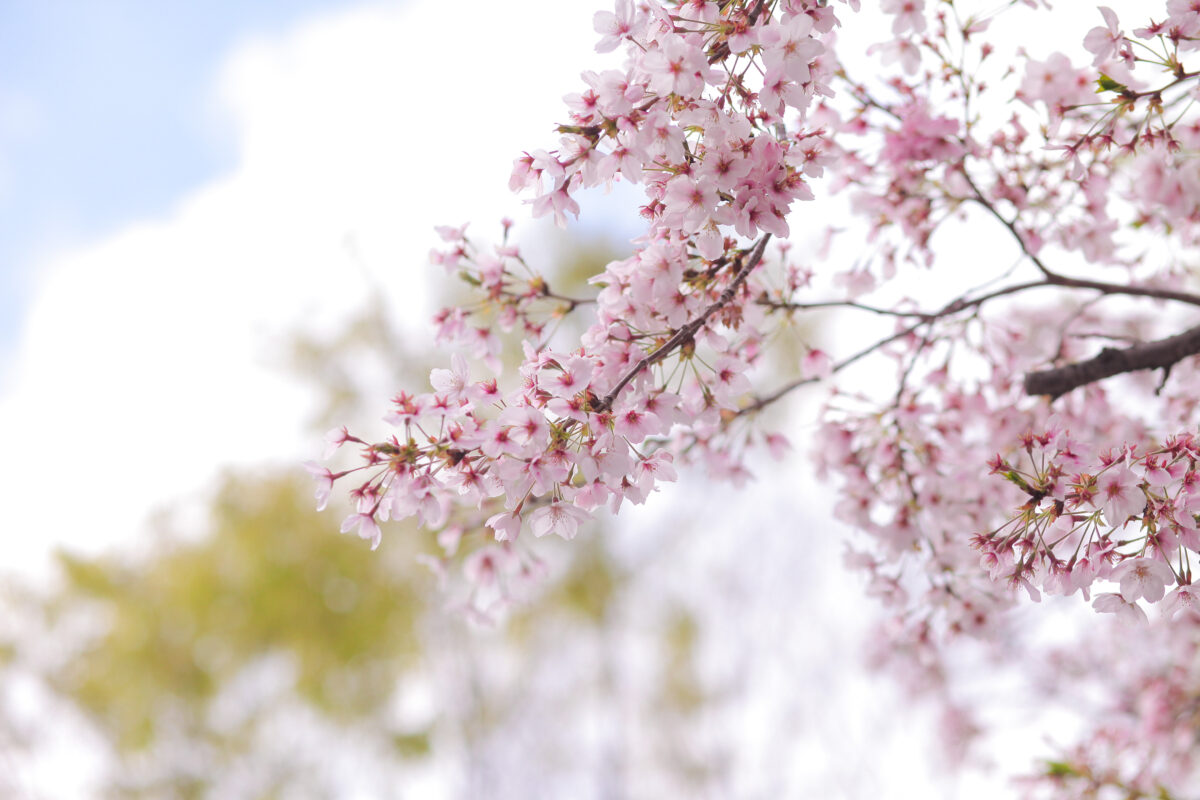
column 953, row 307
column 762, row 402
column 783, row 305
column 1057, row 279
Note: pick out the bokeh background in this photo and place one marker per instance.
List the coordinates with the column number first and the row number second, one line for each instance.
column 214, row 227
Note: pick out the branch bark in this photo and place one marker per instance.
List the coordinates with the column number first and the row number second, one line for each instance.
column 1161, row 354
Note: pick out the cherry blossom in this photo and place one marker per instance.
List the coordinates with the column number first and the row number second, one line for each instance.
column 1108, row 42
column 614, row 26
column 558, row 518
column 367, row 528
column 1142, row 577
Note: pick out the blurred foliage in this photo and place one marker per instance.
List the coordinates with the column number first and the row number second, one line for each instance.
column 268, row 578
column 586, row 592
column 335, row 364
column 681, row 687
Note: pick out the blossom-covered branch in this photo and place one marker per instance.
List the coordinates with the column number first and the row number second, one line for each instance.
column 965, row 492
column 688, row 332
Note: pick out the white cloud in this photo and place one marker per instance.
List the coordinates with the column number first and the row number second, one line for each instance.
column 145, row 359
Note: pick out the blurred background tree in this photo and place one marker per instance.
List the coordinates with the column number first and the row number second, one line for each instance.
column 269, row 657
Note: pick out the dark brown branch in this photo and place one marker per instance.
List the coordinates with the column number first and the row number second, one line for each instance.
column 963, row 304
column 1161, row 354
column 688, row 331
column 1120, row 288
column 753, row 20
column 1154, row 355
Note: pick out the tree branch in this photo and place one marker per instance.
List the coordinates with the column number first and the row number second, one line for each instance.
column 1161, row 354
column 1058, row 279
column 1126, row 289
column 688, row 331
column 759, row 403
column 961, row 304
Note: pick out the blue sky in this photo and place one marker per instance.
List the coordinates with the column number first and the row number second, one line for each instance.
column 105, row 117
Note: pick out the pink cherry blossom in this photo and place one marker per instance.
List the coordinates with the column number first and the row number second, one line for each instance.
column 1182, row 600
column 676, row 66
column 324, row 479
column 1107, row 41
column 507, row 526
column 909, row 15
column 557, row 517
column 334, row 439
column 366, row 526
column 817, row 364
column 1143, row 577
column 1120, row 495
column 615, row 27
column 1116, row 604
column 452, row 382
column 790, row 47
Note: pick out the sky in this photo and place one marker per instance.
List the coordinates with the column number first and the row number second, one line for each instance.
column 106, row 116
column 109, row 114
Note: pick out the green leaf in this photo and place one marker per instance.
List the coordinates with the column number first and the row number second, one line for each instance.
column 1015, row 477
column 1108, row 84
column 1060, row 769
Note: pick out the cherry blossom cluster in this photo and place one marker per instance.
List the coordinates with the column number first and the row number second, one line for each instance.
column 724, row 112
column 1064, row 364
column 1117, row 197
column 913, row 171
column 697, row 118
column 1126, row 516
column 1132, row 100
column 511, row 296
